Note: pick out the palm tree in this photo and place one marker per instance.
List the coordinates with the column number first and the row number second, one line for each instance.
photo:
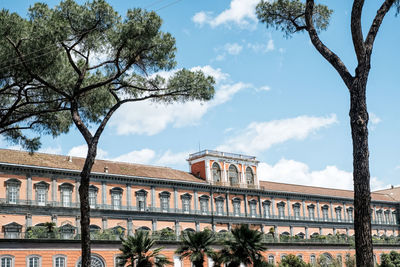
column 136, row 249
column 195, row 245
column 244, row 247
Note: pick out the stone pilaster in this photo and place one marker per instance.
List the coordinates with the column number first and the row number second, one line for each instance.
column 129, row 196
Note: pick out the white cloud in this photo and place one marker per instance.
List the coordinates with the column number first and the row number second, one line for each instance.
column 81, row 151
column 259, row 136
column 295, row 172
column 374, row 119
column 201, row 18
column 169, row 158
column 262, row 48
column 150, row 118
column 233, row 49
column 218, row 75
column 144, row 156
column 263, row 88
column 240, row 12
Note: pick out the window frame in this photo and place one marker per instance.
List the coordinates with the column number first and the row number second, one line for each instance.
column 12, row 186
column 250, row 176
column 186, row 203
column 116, row 198
column 59, row 256
column 29, row 257
column 233, row 173
column 219, row 205
column 204, row 202
column 7, row 256
column 66, row 190
column 236, row 206
column 281, row 209
column 216, row 173
column 93, row 191
column 267, row 207
column 141, row 198
column 165, row 204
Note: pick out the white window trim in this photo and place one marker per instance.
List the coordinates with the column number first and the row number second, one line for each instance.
column 8, row 256
column 60, row 256
column 33, row 256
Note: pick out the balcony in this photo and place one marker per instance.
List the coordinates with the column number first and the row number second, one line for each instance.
column 170, row 236
column 231, row 213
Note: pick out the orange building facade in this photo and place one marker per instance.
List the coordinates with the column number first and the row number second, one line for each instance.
column 220, row 191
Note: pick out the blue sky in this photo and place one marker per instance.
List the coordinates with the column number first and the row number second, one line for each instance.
column 276, row 98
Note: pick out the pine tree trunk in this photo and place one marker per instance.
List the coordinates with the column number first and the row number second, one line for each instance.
column 85, row 208
column 362, row 196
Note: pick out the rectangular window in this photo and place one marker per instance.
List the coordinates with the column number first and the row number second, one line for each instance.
column 116, row 201
column 66, row 198
column 204, row 206
column 92, row 199
column 12, row 194
column 350, row 215
column 281, row 211
column 164, row 204
column 140, row 203
column 41, row 196
column 338, row 215
column 311, row 213
column 220, row 207
column 186, row 205
column 59, row 262
column 33, row 262
column 296, row 213
column 253, row 210
column 325, row 214
column 6, row 262
column 236, row 208
column 267, row 212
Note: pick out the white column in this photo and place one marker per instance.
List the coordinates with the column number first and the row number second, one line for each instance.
column 208, row 171
column 28, row 188
column 128, row 196
column 103, row 193
column 77, row 184
column 224, row 173
column 54, row 190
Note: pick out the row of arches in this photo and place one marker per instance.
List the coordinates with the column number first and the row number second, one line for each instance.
column 233, row 174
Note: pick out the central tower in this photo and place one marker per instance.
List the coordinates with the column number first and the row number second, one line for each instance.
column 227, row 169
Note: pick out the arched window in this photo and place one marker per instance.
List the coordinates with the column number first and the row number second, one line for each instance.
column 271, row 259
column 249, row 176
column 33, row 261
column 233, row 175
column 216, row 172
column 7, row 261
column 59, row 261
column 95, row 261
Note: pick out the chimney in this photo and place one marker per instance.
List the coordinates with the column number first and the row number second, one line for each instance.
column 69, row 158
column 392, row 186
column 106, row 169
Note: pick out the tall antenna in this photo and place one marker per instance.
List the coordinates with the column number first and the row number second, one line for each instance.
column 199, row 146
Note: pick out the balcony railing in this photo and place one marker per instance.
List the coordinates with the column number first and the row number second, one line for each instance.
column 161, row 236
column 221, row 154
column 191, row 211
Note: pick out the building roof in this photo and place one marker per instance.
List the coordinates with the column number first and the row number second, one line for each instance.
column 393, row 192
column 320, row 191
column 76, row 164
